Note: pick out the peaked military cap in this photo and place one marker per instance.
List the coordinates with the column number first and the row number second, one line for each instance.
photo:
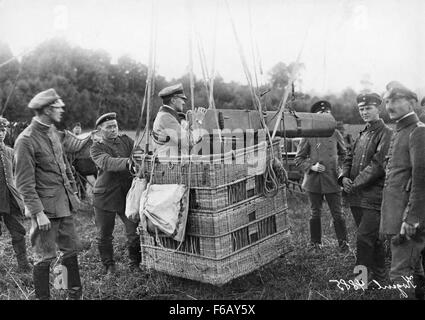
column 3, row 123
column 106, row 117
column 396, row 90
column 46, row 98
column 172, row 91
column 321, row 105
column 367, row 99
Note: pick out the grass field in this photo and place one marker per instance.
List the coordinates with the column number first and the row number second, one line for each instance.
column 299, row 275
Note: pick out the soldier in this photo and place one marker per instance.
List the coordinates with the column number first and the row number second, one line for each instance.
column 112, row 154
column 170, row 132
column 11, row 205
column 363, row 177
column 76, row 129
column 47, row 186
column 403, row 200
column 318, row 158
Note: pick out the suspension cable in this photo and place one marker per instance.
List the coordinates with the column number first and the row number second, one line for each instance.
column 191, row 77
column 254, row 96
column 11, row 91
column 149, row 87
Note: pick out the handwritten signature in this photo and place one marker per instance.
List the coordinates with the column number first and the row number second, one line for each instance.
column 358, row 284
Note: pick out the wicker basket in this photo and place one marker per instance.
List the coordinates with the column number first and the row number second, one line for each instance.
column 221, row 245
column 232, row 227
column 232, row 217
column 212, row 170
column 216, row 271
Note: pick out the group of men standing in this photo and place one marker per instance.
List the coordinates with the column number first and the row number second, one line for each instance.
column 382, row 175
column 45, row 189
column 383, row 178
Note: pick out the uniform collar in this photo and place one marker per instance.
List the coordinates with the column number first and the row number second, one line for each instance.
column 170, row 110
column 371, row 126
column 40, row 125
column 407, row 120
column 111, row 141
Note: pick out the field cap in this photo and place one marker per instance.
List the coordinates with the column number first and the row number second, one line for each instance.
column 367, row 99
column 48, row 97
column 172, row 91
column 321, row 105
column 106, row 117
column 396, row 90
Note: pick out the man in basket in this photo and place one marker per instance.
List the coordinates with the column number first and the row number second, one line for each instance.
column 172, row 135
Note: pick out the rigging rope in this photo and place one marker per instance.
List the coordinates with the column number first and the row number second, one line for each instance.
column 254, row 62
column 11, row 91
column 149, row 86
column 191, row 77
column 254, row 96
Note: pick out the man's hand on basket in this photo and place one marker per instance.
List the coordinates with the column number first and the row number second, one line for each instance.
column 199, row 115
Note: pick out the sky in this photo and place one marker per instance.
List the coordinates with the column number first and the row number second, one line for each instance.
column 342, row 43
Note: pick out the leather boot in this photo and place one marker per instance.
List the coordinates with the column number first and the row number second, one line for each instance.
column 106, row 253
column 135, row 257
column 41, row 281
column 315, row 231
column 379, row 269
column 419, row 282
column 21, row 256
column 74, row 290
column 340, row 231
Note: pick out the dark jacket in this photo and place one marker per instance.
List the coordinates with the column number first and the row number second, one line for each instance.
column 325, row 151
column 364, row 165
column 6, row 165
column 404, row 188
column 43, row 175
column 114, row 178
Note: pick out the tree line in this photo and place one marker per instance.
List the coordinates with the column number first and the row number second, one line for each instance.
column 91, row 85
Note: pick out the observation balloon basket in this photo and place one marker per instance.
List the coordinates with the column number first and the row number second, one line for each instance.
column 233, row 226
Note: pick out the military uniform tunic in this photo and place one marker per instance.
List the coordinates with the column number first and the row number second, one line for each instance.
column 325, row 151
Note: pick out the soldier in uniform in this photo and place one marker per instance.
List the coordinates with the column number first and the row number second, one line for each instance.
column 76, row 129
column 113, row 155
column 11, row 204
column 318, row 158
column 172, row 134
column 363, row 177
column 47, row 186
column 403, row 203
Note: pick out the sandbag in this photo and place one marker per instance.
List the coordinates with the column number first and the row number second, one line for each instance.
column 165, row 206
column 134, row 195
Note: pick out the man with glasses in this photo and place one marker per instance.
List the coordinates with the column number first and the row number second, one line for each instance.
column 47, row 186
column 403, row 202
column 318, row 158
